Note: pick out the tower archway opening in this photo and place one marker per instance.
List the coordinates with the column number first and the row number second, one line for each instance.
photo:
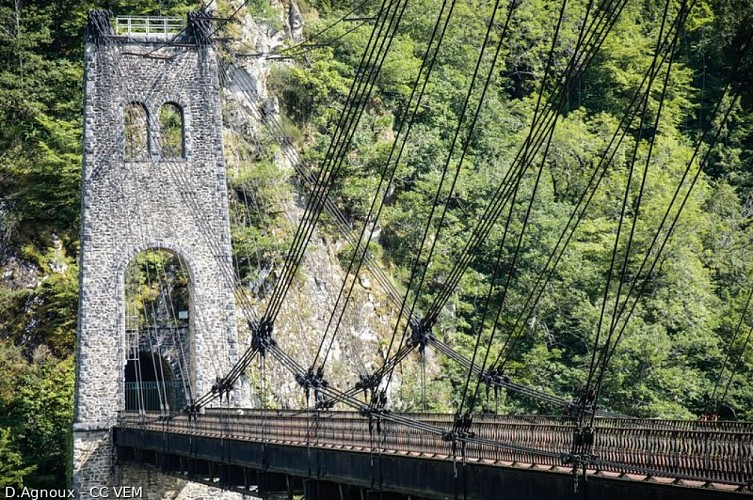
column 158, row 368
column 172, row 131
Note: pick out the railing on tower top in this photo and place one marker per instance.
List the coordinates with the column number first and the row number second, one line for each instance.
column 148, row 25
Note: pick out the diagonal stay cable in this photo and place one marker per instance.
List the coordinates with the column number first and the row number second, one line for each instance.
column 361, row 90
column 576, row 217
column 511, row 267
column 639, row 198
column 578, row 64
column 704, row 160
column 381, row 193
column 590, row 386
column 464, row 148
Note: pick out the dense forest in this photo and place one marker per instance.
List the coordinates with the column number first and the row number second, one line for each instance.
column 685, row 348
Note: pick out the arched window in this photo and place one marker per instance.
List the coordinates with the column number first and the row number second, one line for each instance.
column 136, row 129
column 171, row 131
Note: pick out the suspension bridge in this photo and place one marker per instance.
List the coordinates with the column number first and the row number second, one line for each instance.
column 173, row 396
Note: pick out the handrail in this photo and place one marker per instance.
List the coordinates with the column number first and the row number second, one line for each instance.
column 148, row 25
column 712, row 452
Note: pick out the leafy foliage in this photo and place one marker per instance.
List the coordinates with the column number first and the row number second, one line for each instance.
column 672, row 351
column 41, row 75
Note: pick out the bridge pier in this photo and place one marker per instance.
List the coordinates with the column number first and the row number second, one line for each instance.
column 272, row 483
column 314, row 489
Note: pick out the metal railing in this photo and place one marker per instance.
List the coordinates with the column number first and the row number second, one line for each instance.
column 148, row 25
column 712, row 452
column 153, row 395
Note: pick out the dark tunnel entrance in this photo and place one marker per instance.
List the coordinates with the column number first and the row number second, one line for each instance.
column 150, row 384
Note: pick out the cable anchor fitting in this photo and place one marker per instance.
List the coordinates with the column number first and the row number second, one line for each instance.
column 421, row 333
column 314, row 379
column 222, row 385
column 583, row 441
column 99, row 25
column 368, row 383
column 261, row 336
column 200, row 27
column 462, row 426
column 585, row 403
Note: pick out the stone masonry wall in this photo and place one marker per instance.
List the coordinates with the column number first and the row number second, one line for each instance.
column 156, row 486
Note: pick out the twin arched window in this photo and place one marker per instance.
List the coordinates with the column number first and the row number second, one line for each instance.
column 137, row 129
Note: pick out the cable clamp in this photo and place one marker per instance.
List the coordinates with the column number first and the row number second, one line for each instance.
column 379, row 401
column 192, row 411
column 261, row 336
column 494, row 376
column 222, row 386
column 421, row 333
column 314, row 379
column 368, row 383
column 586, row 397
column 462, row 426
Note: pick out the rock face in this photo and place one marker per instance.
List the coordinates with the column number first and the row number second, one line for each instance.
column 158, row 486
column 304, row 316
column 295, row 21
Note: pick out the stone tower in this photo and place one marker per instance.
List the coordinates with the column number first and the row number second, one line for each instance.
column 139, row 194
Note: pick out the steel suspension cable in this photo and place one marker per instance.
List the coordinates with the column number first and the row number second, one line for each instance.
column 676, row 194
column 496, row 205
column 453, row 144
column 319, row 33
column 626, row 258
column 346, row 120
column 729, row 351
column 576, row 217
column 550, row 61
column 610, row 274
column 409, row 117
column 331, row 166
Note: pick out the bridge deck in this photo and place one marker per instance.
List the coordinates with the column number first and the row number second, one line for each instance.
column 717, row 454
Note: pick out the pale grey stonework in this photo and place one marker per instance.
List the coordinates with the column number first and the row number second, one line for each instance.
column 180, row 205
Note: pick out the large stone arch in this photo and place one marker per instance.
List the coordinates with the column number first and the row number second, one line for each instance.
column 168, row 353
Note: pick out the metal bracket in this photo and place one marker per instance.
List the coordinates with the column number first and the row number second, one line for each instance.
column 368, row 383
column 583, row 404
column 314, row 379
column 261, row 336
column 421, row 333
column 200, row 27
column 222, row 386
